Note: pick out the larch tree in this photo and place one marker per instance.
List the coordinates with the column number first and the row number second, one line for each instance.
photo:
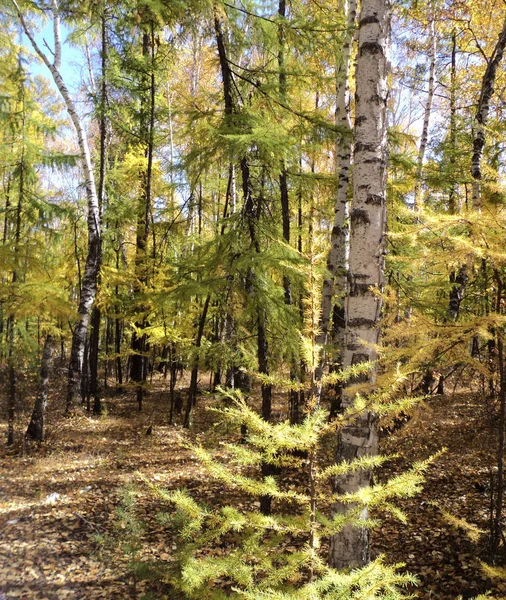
column 367, row 255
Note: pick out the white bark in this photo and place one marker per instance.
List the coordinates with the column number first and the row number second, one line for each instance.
column 428, row 106
column 337, row 257
column 89, row 283
column 366, row 261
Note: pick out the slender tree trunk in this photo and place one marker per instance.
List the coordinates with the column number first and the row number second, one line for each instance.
column 96, row 314
column 428, row 106
column 192, row 394
column 481, row 117
column 11, row 408
column 262, row 344
column 295, row 413
column 283, row 176
column 89, row 283
column 35, row 429
column 138, row 370
column 7, row 206
column 452, row 197
column 459, row 282
column 334, row 284
column 109, row 341
column 251, row 215
column 497, row 521
column 94, row 389
column 117, row 349
column 350, row 547
column 293, row 398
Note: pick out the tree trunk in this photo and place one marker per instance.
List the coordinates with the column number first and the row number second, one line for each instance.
column 94, row 389
column 11, row 408
column 96, row 314
column 334, row 283
column 452, row 196
column 251, row 215
column 350, row 547
column 459, row 282
column 89, row 283
column 497, row 519
column 35, row 429
column 428, row 107
column 293, row 398
column 138, row 371
column 482, row 110
column 192, row 394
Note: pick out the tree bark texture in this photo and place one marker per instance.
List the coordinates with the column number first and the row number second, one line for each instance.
column 89, row 283
column 96, row 313
column 350, row 548
column 138, row 370
column 35, row 429
column 482, row 110
column 335, row 283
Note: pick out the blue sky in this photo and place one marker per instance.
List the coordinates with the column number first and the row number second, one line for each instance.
column 72, row 62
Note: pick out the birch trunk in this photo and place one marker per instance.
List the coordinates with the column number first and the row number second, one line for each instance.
column 366, row 263
column 428, row 107
column 89, row 282
column 482, row 110
column 335, row 284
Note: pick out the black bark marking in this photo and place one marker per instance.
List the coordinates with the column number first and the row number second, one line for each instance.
column 374, row 199
column 361, row 322
column 371, row 19
column 358, row 289
column 359, row 216
column 361, row 147
column 371, row 48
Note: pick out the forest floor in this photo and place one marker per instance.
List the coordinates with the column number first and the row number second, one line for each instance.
column 57, row 499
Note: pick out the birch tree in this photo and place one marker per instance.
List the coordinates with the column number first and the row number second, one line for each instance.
column 336, row 260
column 89, row 281
column 366, row 262
column 482, row 110
column 428, row 106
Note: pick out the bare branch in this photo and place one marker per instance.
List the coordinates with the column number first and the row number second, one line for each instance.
column 29, row 35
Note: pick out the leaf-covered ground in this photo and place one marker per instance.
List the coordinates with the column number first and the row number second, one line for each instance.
column 57, row 500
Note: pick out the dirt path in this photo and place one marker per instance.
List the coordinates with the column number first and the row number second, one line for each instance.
column 445, row 557
column 55, row 499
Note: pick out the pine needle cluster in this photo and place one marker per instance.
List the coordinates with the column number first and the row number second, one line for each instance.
column 234, row 551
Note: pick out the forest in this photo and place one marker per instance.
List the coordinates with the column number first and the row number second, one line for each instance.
column 252, row 299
